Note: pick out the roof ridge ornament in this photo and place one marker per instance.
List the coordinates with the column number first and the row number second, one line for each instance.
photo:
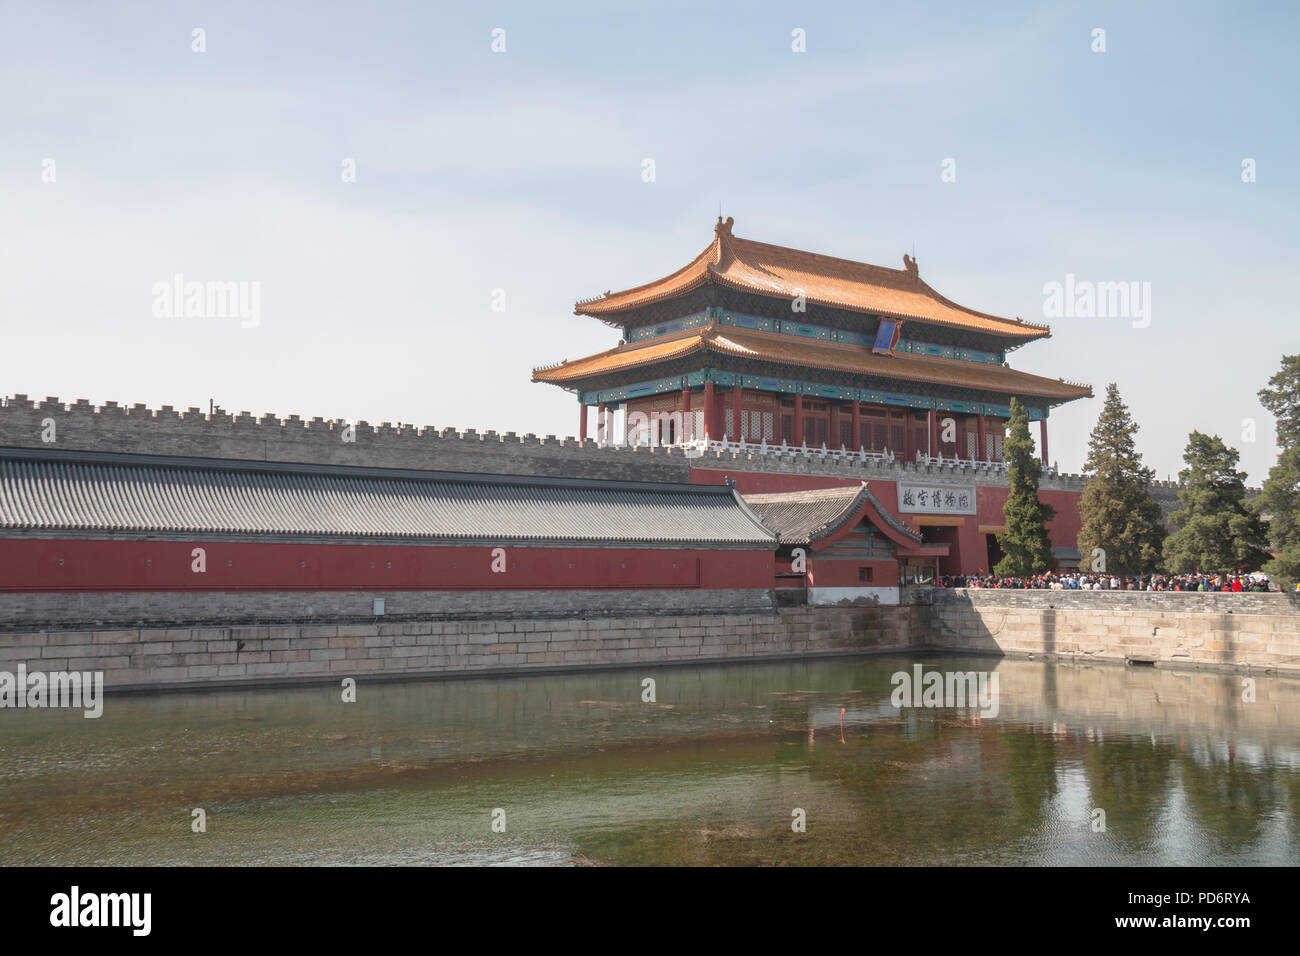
column 909, row 264
column 724, row 228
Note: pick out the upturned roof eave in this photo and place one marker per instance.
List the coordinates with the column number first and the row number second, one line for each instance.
column 707, row 343
column 713, row 263
column 1016, row 334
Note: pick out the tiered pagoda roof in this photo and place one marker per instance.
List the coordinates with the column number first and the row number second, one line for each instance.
column 780, row 272
column 731, row 309
column 832, row 356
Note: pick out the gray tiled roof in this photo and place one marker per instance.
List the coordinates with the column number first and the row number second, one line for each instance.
column 129, row 495
column 802, row 517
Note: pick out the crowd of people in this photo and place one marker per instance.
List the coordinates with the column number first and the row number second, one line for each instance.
column 1079, row 581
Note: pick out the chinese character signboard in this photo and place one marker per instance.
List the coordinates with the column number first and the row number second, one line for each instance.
column 936, row 499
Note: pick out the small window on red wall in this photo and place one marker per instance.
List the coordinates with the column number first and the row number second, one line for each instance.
column 864, row 575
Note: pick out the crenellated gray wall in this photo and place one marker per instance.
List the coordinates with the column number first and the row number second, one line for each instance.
column 81, row 426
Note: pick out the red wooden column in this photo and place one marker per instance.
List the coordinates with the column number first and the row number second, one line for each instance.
column 833, row 427
column 1042, row 432
column 797, row 438
column 710, row 413
column 856, row 443
column 582, row 423
column 934, row 433
column 909, row 436
column 737, row 398
column 685, row 427
column 979, row 439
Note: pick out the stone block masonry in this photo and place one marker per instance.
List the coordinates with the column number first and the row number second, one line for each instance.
column 152, row 658
column 1245, row 633
column 1233, row 632
column 117, row 609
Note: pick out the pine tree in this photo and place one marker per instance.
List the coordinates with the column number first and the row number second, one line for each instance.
column 1121, row 529
column 1214, row 529
column 1282, row 398
column 1280, row 499
column 1025, row 544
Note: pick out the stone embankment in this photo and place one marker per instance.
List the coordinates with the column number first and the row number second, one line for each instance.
column 1248, row 632
column 138, row 658
column 1244, row 633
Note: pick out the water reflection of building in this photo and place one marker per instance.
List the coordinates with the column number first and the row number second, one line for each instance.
column 1183, row 768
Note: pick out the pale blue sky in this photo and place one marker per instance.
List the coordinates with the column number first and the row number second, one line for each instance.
column 522, row 171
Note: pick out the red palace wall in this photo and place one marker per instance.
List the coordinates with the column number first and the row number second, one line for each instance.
column 108, row 565
column 843, row 573
column 968, row 551
column 829, row 572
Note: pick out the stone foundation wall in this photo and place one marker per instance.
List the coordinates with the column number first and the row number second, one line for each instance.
column 1237, row 633
column 89, row 610
column 1252, row 632
column 211, row 657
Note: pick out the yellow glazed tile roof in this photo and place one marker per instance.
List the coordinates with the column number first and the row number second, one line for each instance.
column 823, row 280
column 836, row 356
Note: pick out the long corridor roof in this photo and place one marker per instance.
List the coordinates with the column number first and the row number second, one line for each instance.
column 43, row 492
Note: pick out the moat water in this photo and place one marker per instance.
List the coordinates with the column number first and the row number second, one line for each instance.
column 583, row 771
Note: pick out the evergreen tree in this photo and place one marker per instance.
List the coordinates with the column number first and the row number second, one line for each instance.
column 1025, row 544
column 1280, row 500
column 1214, row 529
column 1282, row 398
column 1118, row 514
